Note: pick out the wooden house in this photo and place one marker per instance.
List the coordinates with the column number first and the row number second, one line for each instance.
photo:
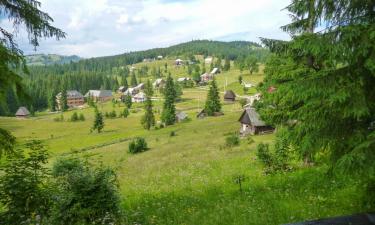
column 73, row 98
column 131, row 91
column 252, row 124
column 22, row 112
column 99, row 95
column 158, row 83
column 229, row 96
column 206, row 77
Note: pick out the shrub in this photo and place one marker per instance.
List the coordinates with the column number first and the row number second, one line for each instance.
column 232, row 140
column 264, row 154
column 59, row 119
column 172, row 134
column 137, row 145
column 81, row 117
column 113, row 114
column 125, row 113
column 74, row 117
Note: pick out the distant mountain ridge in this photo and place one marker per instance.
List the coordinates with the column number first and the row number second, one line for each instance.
column 50, row 59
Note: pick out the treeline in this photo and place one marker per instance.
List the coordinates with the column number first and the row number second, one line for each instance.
column 44, row 82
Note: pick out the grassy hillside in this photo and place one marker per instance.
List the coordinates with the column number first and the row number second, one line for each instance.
column 189, row 178
column 50, row 59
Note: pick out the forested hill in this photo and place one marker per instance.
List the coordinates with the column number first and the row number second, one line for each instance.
column 50, row 59
column 230, row 50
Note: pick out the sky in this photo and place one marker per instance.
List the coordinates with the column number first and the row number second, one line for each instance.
column 109, row 27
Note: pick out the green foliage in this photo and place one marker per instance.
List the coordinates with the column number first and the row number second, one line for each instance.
column 264, row 155
column 168, row 115
column 86, row 195
column 232, row 140
column 7, row 142
column 128, row 101
column 133, row 79
column 239, row 179
column 252, row 64
column 63, row 100
column 98, row 121
column 240, row 79
column 125, row 113
column 81, row 117
column 23, row 190
column 172, row 134
column 324, row 85
column 148, row 119
column 226, row 66
column 59, row 118
column 137, row 145
column 212, row 104
column 74, row 117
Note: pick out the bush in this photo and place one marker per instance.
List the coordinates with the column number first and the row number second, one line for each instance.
column 59, row 119
column 172, row 134
column 125, row 113
column 74, row 117
column 264, row 154
column 81, row 117
column 243, row 102
column 232, row 140
column 138, row 145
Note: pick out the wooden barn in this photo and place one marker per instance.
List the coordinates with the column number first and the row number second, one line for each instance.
column 229, row 96
column 252, row 124
column 22, row 112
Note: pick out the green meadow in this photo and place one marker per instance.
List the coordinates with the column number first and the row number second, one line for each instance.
column 189, row 178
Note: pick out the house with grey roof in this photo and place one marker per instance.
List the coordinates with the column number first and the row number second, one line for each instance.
column 252, row 124
column 181, row 116
column 99, row 95
column 73, row 98
column 22, row 112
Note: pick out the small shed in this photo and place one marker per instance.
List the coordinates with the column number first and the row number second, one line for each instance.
column 252, row 124
column 22, row 112
column 229, row 96
column 181, row 116
column 179, row 62
column 160, row 57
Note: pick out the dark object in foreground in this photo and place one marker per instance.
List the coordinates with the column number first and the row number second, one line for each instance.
column 359, row 219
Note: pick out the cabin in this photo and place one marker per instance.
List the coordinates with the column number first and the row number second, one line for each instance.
column 99, row 95
column 179, row 62
column 215, row 71
column 229, row 96
column 206, row 77
column 181, row 116
column 208, row 60
column 252, row 124
column 140, row 97
column 357, row 219
column 22, row 112
column 73, row 98
column 158, row 83
column 160, row 57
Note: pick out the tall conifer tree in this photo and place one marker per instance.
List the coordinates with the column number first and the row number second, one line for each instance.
column 212, row 104
column 169, row 111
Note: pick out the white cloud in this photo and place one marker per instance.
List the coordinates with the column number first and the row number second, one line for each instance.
column 107, row 27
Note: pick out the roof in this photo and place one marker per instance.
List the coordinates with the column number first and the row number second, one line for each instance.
column 22, row 111
column 229, row 94
column 214, row 70
column 140, row 95
column 71, row 94
column 158, row 81
column 99, row 93
column 206, row 75
column 251, row 116
column 183, row 79
column 179, row 60
column 181, row 115
column 140, row 86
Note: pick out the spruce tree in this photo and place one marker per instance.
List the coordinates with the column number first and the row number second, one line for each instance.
column 324, row 84
column 148, row 119
column 168, row 115
column 124, row 82
column 98, row 121
column 226, row 65
column 252, row 64
column 63, row 100
column 213, row 99
column 133, row 80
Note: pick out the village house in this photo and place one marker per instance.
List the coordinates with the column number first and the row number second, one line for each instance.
column 160, row 57
column 206, row 77
column 99, row 95
column 22, row 112
column 208, row 60
column 183, row 79
column 73, row 98
column 121, row 89
column 140, row 97
column 252, row 124
column 158, row 83
column 229, row 96
column 181, row 116
column 131, row 91
column 179, row 62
